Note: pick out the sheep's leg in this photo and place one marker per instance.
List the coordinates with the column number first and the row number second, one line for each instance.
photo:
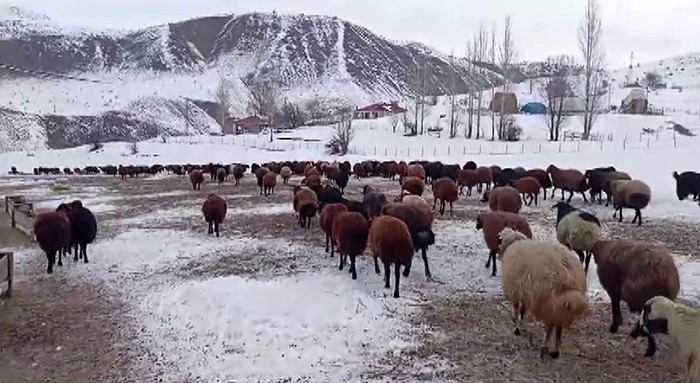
column 216, row 229
column 50, row 258
column 518, row 311
column 469, row 191
column 406, row 270
column 83, row 250
column 537, row 196
column 492, row 254
column 327, row 240
column 617, row 315
column 588, row 261
column 620, row 211
column 562, row 194
column 544, row 193
column 60, row 256
column 571, row 195
column 387, row 273
column 651, row 346
column 434, row 203
column 461, row 189
column 554, row 189
column 638, row 215
column 479, row 187
column 397, row 276
column 342, row 259
column 581, row 256
column 75, row 249
column 544, row 350
column 210, row 230
column 332, row 247
column 376, row 264
column 584, row 197
column 557, row 343
column 353, row 271
column 424, row 255
column 452, row 211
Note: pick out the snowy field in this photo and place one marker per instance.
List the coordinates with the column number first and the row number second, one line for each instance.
column 264, row 303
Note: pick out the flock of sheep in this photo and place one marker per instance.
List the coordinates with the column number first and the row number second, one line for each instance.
column 545, row 280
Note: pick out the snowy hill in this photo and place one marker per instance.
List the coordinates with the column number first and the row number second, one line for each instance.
column 51, row 69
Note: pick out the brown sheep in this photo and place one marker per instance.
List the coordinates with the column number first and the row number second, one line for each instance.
column 328, row 214
column 305, row 204
column 269, row 182
column 390, row 241
column 492, row 223
column 484, row 177
column 612, row 176
column 495, row 173
column 220, row 175
column 633, row 194
column 197, row 178
column 286, row 173
column 504, row 198
column 238, row 173
column 311, row 171
column 52, row 231
column 444, row 190
column 467, row 178
column 419, row 222
column 358, row 170
column 416, row 170
column 413, row 185
column 528, row 187
column 214, row 210
column 634, row 273
column 373, row 202
column 542, row 177
column 570, row 180
column 350, row 232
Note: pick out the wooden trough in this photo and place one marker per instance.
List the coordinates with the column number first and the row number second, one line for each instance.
column 6, row 272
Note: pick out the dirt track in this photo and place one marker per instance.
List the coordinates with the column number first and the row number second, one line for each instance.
column 60, row 330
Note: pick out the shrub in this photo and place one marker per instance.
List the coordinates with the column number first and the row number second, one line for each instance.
column 344, row 133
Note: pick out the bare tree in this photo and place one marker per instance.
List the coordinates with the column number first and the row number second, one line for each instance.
column 481, row 46
column 492, row 60
column 555, row 90
column 507, row 57
column 223, row 98
column 453, row 104
column 469, row 58
column 589, row 41
column 264, row 102
column 653, row 81
column 395, row 119
column 291, row 115
column 408, row 125
column 344, row 132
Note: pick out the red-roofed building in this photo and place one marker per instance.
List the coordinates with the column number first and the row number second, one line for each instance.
column 250, row 124
column 379, row 110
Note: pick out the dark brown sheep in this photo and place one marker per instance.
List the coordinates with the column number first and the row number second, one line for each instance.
column 196, row 178
column 350, row 232
column 413, row 185
column 220, row 175
column 269, row 183
column 52, row 231
column 570, row 180
column 504, row 198
column 305, row 204
column 373, row 203
column 419, row 222
column 542, row 177
column 492, row 224
column 416, row 170
column 633, row 272
column 239, row 172
column 259, row 175
column 390, row 241
column 286, row 173
column 445, row 191
column 484, row 178
column 214, row 210
column 528, row 187
column 467, row 178
column 358, row 171
column 328, row 214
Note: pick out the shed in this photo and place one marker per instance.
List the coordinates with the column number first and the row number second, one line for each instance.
column 636, row 102
column 251, row 124
column 509, row 103
column 534, row 108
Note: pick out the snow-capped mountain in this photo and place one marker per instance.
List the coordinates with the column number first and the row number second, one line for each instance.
column 305, row 56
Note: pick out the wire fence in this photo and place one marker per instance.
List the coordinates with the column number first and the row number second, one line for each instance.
column 568, row 144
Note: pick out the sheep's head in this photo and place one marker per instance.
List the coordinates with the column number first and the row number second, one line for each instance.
column 479, row 222
column 656, row 313
column 76, row 204
column 507, row 237
column 563, row 209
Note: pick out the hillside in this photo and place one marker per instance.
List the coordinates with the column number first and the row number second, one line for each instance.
column 51, row 69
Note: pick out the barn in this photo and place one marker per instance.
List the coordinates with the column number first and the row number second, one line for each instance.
column 379, row 110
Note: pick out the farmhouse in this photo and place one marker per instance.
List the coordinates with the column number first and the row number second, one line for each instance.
column 507, row 102
column 379, row 110
column 250, row 124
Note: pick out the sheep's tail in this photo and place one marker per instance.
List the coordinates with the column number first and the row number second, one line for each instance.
column 638, row 200
column 675, row 175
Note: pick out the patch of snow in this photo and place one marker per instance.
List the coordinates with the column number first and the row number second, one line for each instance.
column 262, row 209
column 340, row 49
column 320, row 328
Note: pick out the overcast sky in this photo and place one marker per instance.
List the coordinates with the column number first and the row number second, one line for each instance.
column 653, row 29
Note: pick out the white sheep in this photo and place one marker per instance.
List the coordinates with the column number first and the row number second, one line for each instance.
column 578, row 230
column 545, row 280
column 407, row 197
column 682, row 324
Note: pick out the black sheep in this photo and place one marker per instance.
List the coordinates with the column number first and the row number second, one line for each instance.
column 341, row 179
column 329, row 194
column 596, row 178
column 687, row 183
column 83, row 229
column 450, row 171
column 505, row 177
